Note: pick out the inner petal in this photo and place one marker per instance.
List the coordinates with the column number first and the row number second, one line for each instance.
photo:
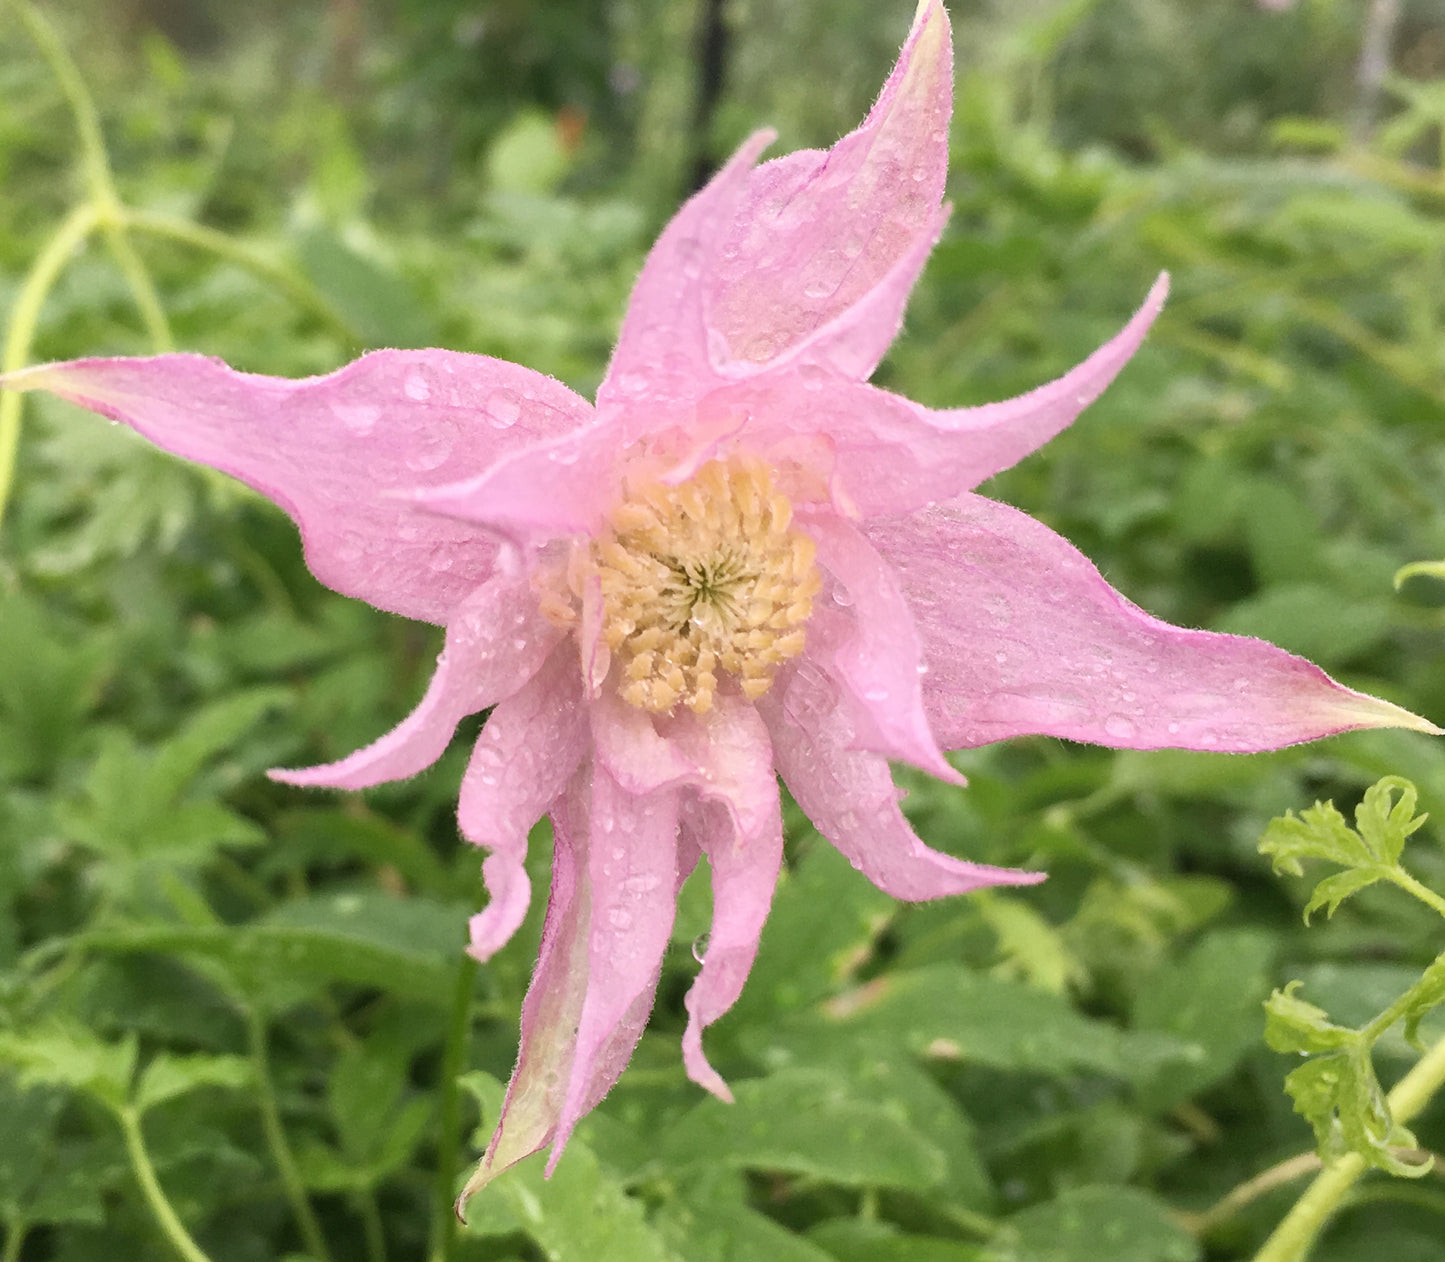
column 700, row 581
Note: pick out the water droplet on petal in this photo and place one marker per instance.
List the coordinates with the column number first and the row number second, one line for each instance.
column 359, row 418
column 503, row 409
column 1120, row 727
column 428, row 450
column 416, row 388
column 699, row 947
column 842, row 596
column 619, row 918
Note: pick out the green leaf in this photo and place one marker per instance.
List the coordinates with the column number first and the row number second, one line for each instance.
column 945, row 1012
column 1210, row 999
column 169, row 1075
column 65, row 1055
column 1386, row 824
column 804, row 1122
column 410, row 947
column 1340, row 1097
column 43, row 1180
column 1428, row 995
column 1294, row 1025
column 582, row 1213
column 1095, row 1224
column 1369, row 852
column 862, row 1240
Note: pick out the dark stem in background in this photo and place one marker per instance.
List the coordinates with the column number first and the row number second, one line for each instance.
column 712, row 55
column 1374, row 64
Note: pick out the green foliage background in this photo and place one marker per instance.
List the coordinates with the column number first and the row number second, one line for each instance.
column 264, row 987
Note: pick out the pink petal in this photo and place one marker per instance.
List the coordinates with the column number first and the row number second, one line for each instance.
column 852, row 800
column 335, row 451
column 661, row 363
column 629, row 746
column 553, row 1004
column 738, row 824
column 878, row 661
column 889, row 455
column 819, row 241
column 496, row 641
column 561, row 486
column 1023, row 635
column 531, row 746
column 633, row 871
column 596, row 975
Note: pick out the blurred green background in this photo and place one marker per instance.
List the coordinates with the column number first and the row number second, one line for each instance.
column 1062, row 1075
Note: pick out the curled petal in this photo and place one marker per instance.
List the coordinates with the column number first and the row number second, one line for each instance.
column 890, row 455
column 1023, row 635
column 832, row 241
column 531, row 746
column 607, row 926
column 851, row 798
column 336, row 452
column 495, row 642
column 737, row 823
column 878, row 660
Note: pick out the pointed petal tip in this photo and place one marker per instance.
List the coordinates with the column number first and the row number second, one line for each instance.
column 297, row 776
column 1358, row 710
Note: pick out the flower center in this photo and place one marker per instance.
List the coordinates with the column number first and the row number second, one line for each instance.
column 701, row 578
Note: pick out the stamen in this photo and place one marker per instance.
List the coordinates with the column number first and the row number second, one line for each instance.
column 703, row 578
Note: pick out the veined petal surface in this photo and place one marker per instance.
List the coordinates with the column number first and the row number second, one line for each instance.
column 495, row 642
column 528, row 750
column 1023, row 635
column 338, row 452
column 877, row 657
column 737, row 822
column 820, row 231
column 850, row 796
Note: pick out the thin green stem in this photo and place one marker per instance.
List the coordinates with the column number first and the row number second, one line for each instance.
column 276, row 1140
column 1292, row 1239
column 24, row 318
column 166, row 1217
column 199, row 237
column 94, row 163
column 371, row 1226
column 1370, row 1033
column 1423, row 892
column 142, row 288
column 95, row 166
column 454, row 1061
column 1251, row 1190
column 15, row 1241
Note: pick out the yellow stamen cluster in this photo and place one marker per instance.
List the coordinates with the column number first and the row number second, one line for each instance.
column 702, row 578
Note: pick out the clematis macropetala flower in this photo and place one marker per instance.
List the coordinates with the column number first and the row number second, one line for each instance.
column 743, row 561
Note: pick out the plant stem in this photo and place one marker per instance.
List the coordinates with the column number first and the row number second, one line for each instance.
column 15, row 1241
column 199, row 237
column 145, row 1173
column 371, row 1226
column 24, row 318
column 276, row 1141
column 1238, row 1197
column 95, row 165
column 1423, row 892
column 1291, row 1240
column 454, row 1058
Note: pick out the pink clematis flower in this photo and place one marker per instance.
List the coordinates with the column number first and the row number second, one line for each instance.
column 742, row 561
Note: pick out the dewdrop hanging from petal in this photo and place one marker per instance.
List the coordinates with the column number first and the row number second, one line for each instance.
column 658, row 643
